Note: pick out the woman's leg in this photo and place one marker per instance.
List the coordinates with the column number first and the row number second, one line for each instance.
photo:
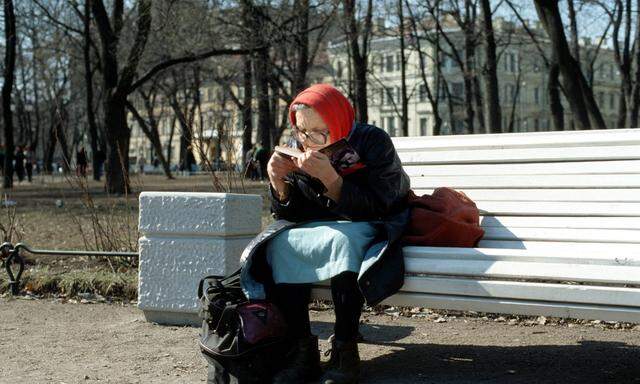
column 343, row 366
column 293, row 302
column 348, row 302
column 303, row 360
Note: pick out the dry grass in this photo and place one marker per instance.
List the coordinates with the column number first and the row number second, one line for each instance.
column 87, row 219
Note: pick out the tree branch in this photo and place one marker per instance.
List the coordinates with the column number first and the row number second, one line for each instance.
column 188, row 59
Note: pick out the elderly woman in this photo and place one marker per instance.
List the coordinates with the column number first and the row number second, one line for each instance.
column 339, row 226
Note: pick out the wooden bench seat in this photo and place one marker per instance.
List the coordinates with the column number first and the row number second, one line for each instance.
column 561, row 213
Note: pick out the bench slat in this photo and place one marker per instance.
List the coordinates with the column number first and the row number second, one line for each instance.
column 558, row 168
column 516, row 307
column 520, row 140
column 520, row 290
column 528, row 181
column 583, row 294
column 485, row 156
column 563, row 234
column 606, row 248
column 613, row 194
column 525, row 270
column 560, row 222
column 576, row 255
column 552, row 208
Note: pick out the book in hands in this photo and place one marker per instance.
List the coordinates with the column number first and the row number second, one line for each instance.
column 342, row 156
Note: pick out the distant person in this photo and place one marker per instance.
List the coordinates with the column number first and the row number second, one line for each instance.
column 191, row 161
column 2, row 152
column 100, row 159
column 156, row 163
column 19, row 167
column 81, row 162
column 30, row 160
column 249, row 165
column 261, row 157
column 141, row 163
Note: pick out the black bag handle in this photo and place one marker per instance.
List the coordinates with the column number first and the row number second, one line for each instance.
column 222, row 280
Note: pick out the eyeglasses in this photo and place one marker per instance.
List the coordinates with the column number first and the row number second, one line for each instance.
column 319, row 138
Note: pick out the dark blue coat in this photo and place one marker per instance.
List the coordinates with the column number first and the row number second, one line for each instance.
column 376, row 193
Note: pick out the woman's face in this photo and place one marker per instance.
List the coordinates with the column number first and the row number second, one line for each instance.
column 308, row 120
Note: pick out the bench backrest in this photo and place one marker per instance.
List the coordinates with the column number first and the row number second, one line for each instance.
column 571, row 197
column 583, row 184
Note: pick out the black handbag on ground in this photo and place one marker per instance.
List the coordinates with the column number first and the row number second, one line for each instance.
column 243, row 341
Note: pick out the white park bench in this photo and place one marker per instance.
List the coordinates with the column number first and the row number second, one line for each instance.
column 561, row 213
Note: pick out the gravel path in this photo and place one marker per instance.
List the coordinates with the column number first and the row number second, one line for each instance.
column 49, row 342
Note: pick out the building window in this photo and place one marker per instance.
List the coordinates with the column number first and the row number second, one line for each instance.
column 390, row 95
column 391, row 125
column 382, row 97
column 389, row 61
column 612, row 100
column 510, row 62
column 339, row 70
column 601, row 99
column 423, row 126
column 398, row 61
column 536, row 95
column 457, row 89
column 611, row 71
column 422, row 93
column 536, row 124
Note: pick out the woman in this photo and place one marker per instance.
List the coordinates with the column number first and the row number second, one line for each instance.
column 329, row 226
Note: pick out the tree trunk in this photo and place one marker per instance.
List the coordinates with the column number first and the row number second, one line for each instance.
column 118, row 134
column 49, row 150
column 152, row 134
column 359, row 54
column 247, row 122
column 118, row 85
column 265, row 121
column 88, row 78
column 573, row 30
column 580, row 96
column 555, row 104
column 7, row 88
column 492, row 112
column 403, row 74
column 302, row 48
column 635, row 95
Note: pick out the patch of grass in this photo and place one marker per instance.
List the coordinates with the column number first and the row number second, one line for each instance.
column 103, row 282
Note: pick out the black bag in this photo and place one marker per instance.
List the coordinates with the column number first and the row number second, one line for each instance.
column 243, row 341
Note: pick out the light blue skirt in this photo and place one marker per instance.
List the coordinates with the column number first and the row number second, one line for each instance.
column 318, row 251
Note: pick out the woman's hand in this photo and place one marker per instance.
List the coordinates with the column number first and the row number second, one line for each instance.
column 317, row 164
column 277, row 168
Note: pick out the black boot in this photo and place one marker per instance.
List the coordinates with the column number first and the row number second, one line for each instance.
column 303, row 363
column 344, row 364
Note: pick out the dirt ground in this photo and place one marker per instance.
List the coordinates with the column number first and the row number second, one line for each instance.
column 44, row 341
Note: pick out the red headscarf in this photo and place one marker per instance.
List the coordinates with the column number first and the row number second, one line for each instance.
column 334, row 109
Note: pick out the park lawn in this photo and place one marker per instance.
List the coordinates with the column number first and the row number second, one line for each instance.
column 57, row 213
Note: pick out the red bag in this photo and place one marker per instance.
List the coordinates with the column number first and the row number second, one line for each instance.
column 447, row 218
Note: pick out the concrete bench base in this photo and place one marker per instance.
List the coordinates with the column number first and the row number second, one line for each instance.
column 186, row 236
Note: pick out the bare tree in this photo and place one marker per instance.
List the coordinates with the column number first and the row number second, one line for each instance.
column 403, row 71
column 579, row 95
column 492, row 111
column 7, row 87
column 358, row 35
column 150, row 125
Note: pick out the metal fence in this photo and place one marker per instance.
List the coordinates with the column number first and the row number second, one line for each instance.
column 10, row 255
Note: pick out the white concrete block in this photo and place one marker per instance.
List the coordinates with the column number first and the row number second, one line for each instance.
column 191, row 213
column 184, row 238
